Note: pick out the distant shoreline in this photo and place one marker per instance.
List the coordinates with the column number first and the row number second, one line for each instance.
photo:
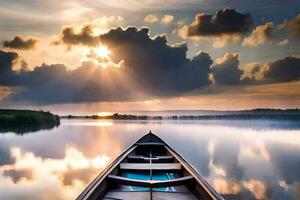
column 276, row 114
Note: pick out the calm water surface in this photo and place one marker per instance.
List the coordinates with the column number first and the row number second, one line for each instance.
column 241, row 159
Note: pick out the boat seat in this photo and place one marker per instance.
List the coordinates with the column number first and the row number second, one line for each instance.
column 148, row 158
column 144, row 195
column 152, row 166
column 150, row 183
column 150, row 144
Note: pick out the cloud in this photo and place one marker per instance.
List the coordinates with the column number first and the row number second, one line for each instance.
column 219, row 41
column 48, row 84
column 84, row 36
column 226, row 71
column 252, row 71
column 226, row 21
column 17, row 175
column 293, row 25
column 4, row 92
column 153, row 61
column 141, row 66
column 151, row 18
column 223, row 40
column 287, row 169
column 287, row 69
column 283, row 42
column 103, row 24
column 167, row 19
column 71, row 175
column 87, row 33
column 20, row 43
column 224, row 186
column 230, row 163
column 257, row 187
column 7, row 60
column 5, row 156
column 255, row 69
column 221, row 29
column 260, row 35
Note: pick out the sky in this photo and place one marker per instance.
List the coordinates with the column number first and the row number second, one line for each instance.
column 94, row 55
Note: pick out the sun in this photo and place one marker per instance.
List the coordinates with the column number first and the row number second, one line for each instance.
column 102, row 51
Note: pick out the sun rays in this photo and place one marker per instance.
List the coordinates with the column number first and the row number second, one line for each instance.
column 100, row 56
column 102, row 51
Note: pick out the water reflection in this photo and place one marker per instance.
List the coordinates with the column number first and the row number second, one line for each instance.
column 241, row 160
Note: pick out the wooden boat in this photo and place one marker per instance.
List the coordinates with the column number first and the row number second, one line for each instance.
column 149, row 169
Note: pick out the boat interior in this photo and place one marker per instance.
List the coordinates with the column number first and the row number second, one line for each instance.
column 150, row 170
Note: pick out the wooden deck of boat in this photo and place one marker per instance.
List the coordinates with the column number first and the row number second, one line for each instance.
column 116, row 195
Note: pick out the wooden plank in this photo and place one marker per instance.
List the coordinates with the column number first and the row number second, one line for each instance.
column 114, row 195
column 117, row 195
column 148, row 158
column 152, row 166
column 173, row 196
column 150, row 144
column 151, row 183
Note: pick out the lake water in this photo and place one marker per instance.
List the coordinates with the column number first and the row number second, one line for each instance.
column 241, row 159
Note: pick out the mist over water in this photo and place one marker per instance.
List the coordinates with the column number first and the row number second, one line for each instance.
column 241, row 159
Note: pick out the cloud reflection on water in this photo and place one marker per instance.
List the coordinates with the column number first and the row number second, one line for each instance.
column 243, row 162
column 30, row 172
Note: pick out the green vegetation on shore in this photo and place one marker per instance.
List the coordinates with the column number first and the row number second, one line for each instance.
column 21, row 121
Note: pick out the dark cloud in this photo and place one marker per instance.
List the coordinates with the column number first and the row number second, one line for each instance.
column 203, row 156
column 195, row 73
column 154, row 63
column 20, row 43
column 230, row 162
column 294, row 25
column 85, row 37
column 150, row 67
column 48, row 84
column 287, row 69
column 17, row 174
column 6, row 61
column 5, row 157
column 139, row 67
column 255, row 69
column 286, row 162
column 226, row 21
column 226, row 71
